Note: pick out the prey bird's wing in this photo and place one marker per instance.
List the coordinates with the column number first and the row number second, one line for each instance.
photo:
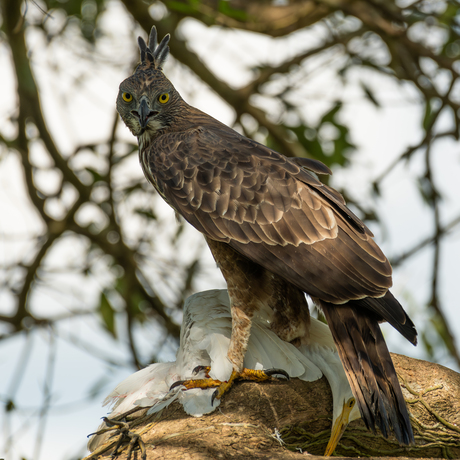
column 205, row 338
column 152, row 382
column 269, row 208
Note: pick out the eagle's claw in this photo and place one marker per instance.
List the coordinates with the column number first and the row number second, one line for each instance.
column 223, row 387
column 198, row 369
column 204, row 384
column 272, row 372
column 177, row 384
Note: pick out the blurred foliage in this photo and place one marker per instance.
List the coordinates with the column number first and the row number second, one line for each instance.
column 415, row 43
column 330, row 149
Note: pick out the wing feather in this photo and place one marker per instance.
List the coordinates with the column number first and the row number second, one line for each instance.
column 270, row 209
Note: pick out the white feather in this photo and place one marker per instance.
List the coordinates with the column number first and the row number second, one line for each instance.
column 322, row 351
column 153, row 379
column 197, row 402
column 204, row 340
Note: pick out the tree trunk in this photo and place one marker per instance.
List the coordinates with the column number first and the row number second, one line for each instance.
column 288, row 420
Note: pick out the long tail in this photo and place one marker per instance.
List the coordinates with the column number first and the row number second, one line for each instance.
column 368, row 365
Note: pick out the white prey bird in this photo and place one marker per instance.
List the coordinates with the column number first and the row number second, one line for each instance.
column 204, row 341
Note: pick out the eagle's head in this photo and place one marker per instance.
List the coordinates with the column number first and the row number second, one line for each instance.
column 147, row 100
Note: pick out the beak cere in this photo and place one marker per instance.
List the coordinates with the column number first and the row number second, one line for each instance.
column 143, row 113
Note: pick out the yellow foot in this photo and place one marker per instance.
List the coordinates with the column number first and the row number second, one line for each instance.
column 223, row 387
column 204, row 384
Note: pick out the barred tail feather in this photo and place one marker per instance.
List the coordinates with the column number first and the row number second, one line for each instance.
column 369, row 368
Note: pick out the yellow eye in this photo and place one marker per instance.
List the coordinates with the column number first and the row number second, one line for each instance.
column 127, row 97
column 163, row 98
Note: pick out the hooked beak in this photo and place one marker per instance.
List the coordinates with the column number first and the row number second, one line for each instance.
column 338, row 429
column 143, row 113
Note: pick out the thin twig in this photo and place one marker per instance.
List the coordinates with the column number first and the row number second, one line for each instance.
column 47, row 393
column 444, row 230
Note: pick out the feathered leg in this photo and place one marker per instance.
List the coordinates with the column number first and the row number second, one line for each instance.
column 244, row 281
column 249, row 287
column 291, row 316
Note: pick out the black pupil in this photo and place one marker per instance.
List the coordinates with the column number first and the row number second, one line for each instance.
column 127, row 96
column 163, row 97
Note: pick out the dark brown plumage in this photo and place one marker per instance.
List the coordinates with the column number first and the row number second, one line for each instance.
column 275, row 231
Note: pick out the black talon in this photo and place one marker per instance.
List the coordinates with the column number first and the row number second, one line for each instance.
column 271, row 372
column 177, row 384
column 115, row 423
column 213, row 397
column 198, row 369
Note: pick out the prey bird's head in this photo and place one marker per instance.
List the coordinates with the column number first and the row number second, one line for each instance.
column 147, row 101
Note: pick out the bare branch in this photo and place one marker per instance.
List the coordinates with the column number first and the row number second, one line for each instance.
column 445, row 230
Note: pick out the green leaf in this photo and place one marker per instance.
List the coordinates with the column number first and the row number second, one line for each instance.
column 431, row 112
column 120, row 285
column 443, row 333
column 310, row 143
column 370, row 95
column 187, row 8
column 180, row 228
column 9, row 405
column 96, row 175
column 329, row 116
column 133, row 188
column 225, row 8
column 425, row 188
column 107, row 314
column 135, row 300
column 427, row 344
column 146, row 213
column 86, row 12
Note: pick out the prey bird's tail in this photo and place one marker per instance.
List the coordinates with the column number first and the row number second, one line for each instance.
column 367, row 362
